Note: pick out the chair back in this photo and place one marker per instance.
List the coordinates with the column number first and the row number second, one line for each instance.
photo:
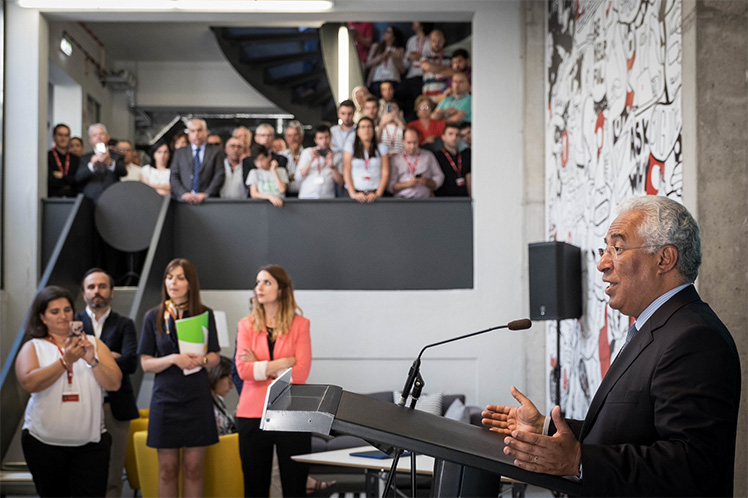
column 147, row 463
column 222, row 470
column 131, row 468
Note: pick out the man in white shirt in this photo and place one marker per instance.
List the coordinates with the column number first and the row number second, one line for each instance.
column 233, row 185
column 346, row 128
column 319, row 167
column 415, row 172
column 132, row 161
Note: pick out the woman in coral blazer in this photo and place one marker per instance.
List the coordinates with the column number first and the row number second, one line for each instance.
column 271, row 339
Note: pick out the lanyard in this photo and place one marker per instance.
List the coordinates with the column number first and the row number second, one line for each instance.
column 59, row 163
column 366, row 163
column 457, row 167
column 69, row 368
column 319, row 164
column 412, row 167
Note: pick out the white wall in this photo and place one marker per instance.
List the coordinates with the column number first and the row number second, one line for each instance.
column 213, row 84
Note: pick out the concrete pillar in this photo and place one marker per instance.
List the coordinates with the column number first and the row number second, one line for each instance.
column 720, row 29
column 25, row 160
column 533, row 110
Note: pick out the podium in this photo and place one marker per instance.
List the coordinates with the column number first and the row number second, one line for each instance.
column 458, row 448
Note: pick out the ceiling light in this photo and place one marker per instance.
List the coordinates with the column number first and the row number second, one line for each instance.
column 66, row 47
column 181, row 5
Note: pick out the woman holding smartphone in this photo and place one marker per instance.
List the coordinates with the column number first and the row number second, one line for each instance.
column 273, row 338
column 181, row 415
column 64, row 440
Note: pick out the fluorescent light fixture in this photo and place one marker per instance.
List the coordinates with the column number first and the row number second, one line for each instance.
column 181, row 5
column 66, row 47
column 343, row 67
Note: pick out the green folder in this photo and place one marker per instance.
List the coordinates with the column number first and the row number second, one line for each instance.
column 191, row 329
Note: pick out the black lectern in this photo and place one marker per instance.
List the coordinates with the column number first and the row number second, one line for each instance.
column 456, row 446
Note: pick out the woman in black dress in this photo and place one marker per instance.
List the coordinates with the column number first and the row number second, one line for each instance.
column 181, row 414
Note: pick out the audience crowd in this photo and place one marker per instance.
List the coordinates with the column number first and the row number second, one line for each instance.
column 414, row 89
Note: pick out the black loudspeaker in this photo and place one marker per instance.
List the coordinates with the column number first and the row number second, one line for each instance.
column 555, row 281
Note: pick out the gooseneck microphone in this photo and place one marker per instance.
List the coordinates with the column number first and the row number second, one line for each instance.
column 521, row 324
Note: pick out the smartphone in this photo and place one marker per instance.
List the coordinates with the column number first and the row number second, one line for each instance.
column 322, row 152
column 389, row 108
column 76, row 328
column 100, row 148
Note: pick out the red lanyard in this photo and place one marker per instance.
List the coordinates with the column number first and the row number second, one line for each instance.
column 69, row 368
column 59, row 163
column 412, row 167
column 319, row 164
column 366, row 164
column 457, row 167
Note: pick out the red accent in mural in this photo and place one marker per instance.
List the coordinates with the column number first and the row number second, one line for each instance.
column 599, row 125
column 603, row 347
column 564, row 148
column 650, row 188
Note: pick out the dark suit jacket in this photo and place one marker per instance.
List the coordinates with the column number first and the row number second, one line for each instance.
column 93, row 184
column 118, row 333
column 664, row 419
column 249, row 163
column 212, row 173
column 65, row 186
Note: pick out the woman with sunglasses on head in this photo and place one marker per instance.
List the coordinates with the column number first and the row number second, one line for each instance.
column 181, row 414
column 429, row 130
column 64, row 440
column 273, row 338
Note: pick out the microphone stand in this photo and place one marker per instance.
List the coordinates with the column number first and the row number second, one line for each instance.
column 417, row 387
column 415, row 383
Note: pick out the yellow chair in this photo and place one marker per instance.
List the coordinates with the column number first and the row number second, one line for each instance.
column 144, row 412
column 147, row 464
column 131, row 469
column 222, row 470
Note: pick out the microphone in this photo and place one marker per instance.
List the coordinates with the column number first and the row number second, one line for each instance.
column 520, row 324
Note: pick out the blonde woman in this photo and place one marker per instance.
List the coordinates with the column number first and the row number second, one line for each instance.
column 271, row 339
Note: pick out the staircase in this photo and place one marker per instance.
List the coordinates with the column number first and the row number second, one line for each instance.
column 285, row 65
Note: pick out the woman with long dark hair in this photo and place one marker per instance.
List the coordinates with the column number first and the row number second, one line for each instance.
column 386, row 61
column 366, row 165
column 64, row 440
column 181, row 415
column 273, row 338
column 158, row 175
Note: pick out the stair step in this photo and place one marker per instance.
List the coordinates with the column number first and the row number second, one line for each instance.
column 248, row 40
column 265, row 62
column 297, row 79
column 315, row 98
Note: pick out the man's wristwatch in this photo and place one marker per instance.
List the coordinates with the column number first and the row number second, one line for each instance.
column 205, row 360
column 93, row 364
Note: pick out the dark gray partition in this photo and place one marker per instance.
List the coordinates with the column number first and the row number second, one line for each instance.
column 336, row 244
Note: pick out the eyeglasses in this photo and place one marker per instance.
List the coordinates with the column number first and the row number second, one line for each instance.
column 614, row 251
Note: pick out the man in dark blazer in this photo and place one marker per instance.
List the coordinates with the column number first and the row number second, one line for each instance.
column 118, row 333
column 207, row 161
column 664, row 420
column 101, row 168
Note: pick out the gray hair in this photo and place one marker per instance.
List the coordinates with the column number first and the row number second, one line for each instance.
column 297, row 126
column 97, row 125
column 265, row 126
column 202, row 122
column 667, row 222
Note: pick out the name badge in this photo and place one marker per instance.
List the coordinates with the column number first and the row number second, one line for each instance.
column 460, row 182
column 71, row 397
column 319, row 180
column 367, row 177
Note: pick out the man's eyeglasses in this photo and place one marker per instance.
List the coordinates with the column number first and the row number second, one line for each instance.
column 614, row 251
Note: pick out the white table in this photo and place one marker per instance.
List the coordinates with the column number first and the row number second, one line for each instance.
column 376, row 469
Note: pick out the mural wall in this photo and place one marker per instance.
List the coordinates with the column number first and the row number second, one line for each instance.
column 613, row 130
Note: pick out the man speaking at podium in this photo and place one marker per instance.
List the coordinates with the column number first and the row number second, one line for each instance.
column 664, row 419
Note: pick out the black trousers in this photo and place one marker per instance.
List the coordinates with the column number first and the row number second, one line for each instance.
column 68, row 470
column 256, row 451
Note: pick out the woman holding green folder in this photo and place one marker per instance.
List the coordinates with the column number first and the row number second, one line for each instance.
column 181, row 414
